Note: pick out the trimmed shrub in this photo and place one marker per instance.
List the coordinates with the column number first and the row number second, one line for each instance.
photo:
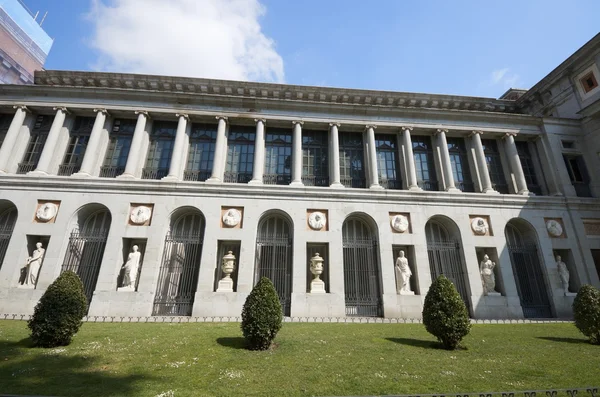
column 58, row 314
column 586, row 310
column 261, row 316
column 445, row 315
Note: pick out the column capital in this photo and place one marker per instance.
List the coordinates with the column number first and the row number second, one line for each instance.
column 224, row 118
column 476, row 132
column 404, row 128
column 22, row 107
column 368, row 126
column 440, row 131
column 507, row 134
column 336, row 124
column 102, row 111
column 297, row 122
column 184, row 115
column 61, row 108
column 264, row 121
column 144, row 112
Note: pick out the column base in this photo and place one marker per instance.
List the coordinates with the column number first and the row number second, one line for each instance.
column 376, row 187
column 81, row 175
column 37, row 173
column 526, row 193
column 490, row 191
column 255, row 182
column 415, row 189
column 125, row 176
column 2, row 172
column 212, row 181
column 453, row 190
column 297, row 184
column 401, row 292
column 337, row 185
column 170, row 178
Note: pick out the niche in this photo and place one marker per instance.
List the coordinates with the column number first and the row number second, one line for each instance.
column 29, row 273
column 223, row 248
column 130, row 283
column 409, row 254
column 323, row 250
column 492, row 253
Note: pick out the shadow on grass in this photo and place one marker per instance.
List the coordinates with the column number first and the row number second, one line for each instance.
column 234, row 343
column 426, row 344
column 29, row 370
column 564, row 340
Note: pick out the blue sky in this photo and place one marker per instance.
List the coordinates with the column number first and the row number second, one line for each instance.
column 449, row 47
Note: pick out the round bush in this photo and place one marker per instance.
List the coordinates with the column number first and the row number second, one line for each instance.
column 444, row 313
column 58, row 314
column 586, row 310
column 261, row 316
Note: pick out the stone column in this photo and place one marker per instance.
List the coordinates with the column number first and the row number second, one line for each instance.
column 48, row 152
column 484, row 173
column 334, row 156
column 297, row 154
column 91, row 151
column 136, row 144
column 11, row 136
column 409, row 160
column 515, row 163
column 218, row 168
column 373, row 172
column 259, row 153
column 178, row 149
column 446, row 164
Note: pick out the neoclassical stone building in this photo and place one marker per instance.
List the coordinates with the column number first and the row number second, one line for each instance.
column 187, row 170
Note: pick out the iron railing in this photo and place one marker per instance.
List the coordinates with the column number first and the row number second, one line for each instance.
column 361, row 277
column 154, row 173
column 84, row 257
column 353, row 182
column 197, row 176
column 315, row 180
column 178, row 275
column 111, row 171
column 237, row 177
column 445, row 258
column 274, row 261
column 500, row 187
column 275, row 179
column 428, row 185
column 465, row 186
column 26, row 167
column 68, row 169
column 394, row 184
column 536, row 189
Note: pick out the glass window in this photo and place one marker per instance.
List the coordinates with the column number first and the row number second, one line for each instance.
column 79, row 136
column 352, row 172
column 578, row 175
column 240, row 154
column 460, row 164
column 201, row 153
column 37, row 139
column 315, row 161
column 492, row 157
column 160, row 150
column 387, row 160
column 528, row 169
column 424, row 166
column 119, row 144
column 5, row 120
column 278, row 157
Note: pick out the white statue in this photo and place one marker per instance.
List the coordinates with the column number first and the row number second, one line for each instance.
column 563, row 273
column 130, row 269
column 34, row 263
column 488, row 279
column 317, row 286
column 403, row 274
column 227, row 267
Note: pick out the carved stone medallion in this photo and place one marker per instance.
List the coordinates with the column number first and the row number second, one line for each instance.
column 399, row 223
column 140, row 214
column 554, row 228
column 46, row 212
column 480, row 226
column 232, row 217
column 317, row 220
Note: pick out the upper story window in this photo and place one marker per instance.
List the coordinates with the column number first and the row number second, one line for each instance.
column 278, row 157
column 460, row 164
column 424, row 165
column 5, row 120
column 37, row 139
column 528, row 167
column 352, row 171
column 492, row 157
column 240, row 154
column 201, row 153
column 587, row 82
column 578, row 174
column 79, row 136
column 568, row 144
column 160, row 150
column 315, row 161
column 119, row 144
column 386, row 147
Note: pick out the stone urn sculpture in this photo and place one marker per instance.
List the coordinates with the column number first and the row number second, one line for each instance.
column 228, row 267
column 317, row 286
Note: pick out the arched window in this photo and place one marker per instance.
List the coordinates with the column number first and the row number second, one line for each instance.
column 8, row 218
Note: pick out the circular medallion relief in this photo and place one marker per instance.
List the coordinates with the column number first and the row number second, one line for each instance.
column 317, row 220
column 554, row 228
column 46, row 212
column 140, row 214
column 399, row 223
column 479, row 226
column 232, row 217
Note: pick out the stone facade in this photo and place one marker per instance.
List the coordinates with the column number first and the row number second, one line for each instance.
column 190, row 169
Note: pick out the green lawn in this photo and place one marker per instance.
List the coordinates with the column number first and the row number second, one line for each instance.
column 207, row 359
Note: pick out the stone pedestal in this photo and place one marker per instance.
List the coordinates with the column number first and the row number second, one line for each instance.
column 494, row 294
column 401, row 292
column 129, row 288
column 317, row 286
column 225, row 285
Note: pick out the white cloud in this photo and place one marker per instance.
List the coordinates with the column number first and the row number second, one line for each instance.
column 193, row 38
column 504, row 78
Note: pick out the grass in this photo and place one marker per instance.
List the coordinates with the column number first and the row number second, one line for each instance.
column 208, row 359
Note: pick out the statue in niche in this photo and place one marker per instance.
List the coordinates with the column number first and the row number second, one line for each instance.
column 34, row 263
column 488, row 279
column 130, row 269
column 563, row 273
column 403, row 275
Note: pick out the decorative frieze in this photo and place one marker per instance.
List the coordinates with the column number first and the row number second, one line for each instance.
column 591, row 227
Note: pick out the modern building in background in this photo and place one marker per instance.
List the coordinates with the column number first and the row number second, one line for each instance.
column 152, row 187
column 24, row 45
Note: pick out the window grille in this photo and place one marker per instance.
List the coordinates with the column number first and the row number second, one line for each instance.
column 352, row 172
column 315, row 158
column 78, row 140
column 160, row 150
column 528, row 168
column 37, row 139
column 201, row 153
column 278, row 157
column 5, row 121
column 424, row 165
column 460, row 164
column 240, row 154
column 8, row 218
column 492, row 158
column 119, row 145
column 387, row 161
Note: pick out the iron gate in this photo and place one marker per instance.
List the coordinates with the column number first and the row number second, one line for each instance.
column 530, row 280
column 7, row 224
column 274, row 261
column 178, row 275
column 361, row 271
column 84, row 257
column 444, row 258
